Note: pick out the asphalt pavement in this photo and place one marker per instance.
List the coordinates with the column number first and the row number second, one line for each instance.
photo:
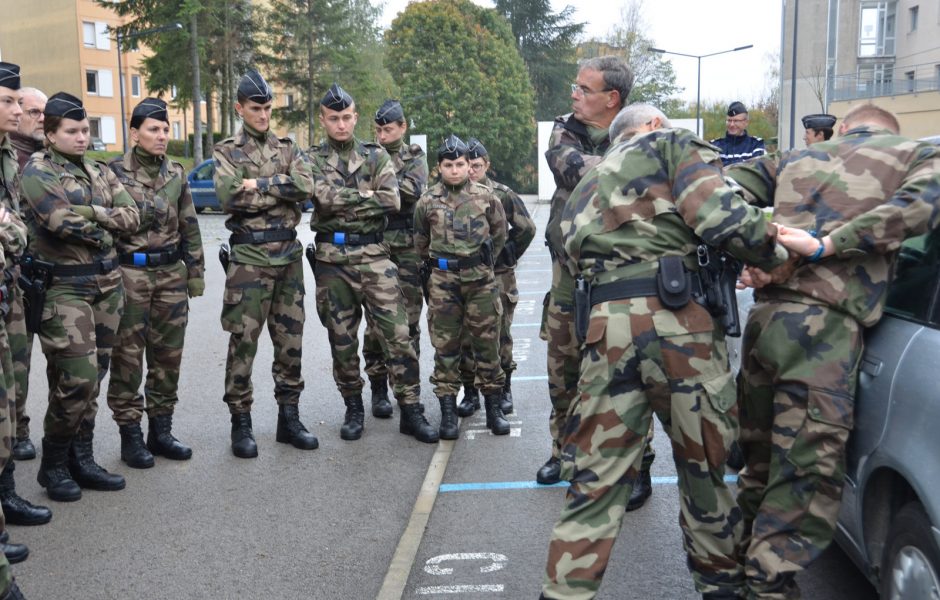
column 383, row 517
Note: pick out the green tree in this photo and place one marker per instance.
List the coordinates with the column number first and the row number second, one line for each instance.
column 546, row 41
column 460, row 72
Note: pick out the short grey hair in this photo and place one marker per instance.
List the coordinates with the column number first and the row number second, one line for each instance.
column 31, row 91
column 633, row 117
column 616, row 72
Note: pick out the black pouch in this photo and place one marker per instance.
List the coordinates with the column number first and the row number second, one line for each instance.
column 582, row 308
column 673, row 283
column 225, row 256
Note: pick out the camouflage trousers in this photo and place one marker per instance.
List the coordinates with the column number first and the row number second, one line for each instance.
column 21, row 344
column 7, row 432
column 459, row 309
column 342, row 293
column 409, row 279
column 156, row 310
column 509, row 298
column 255, row 295
column 563, row 351
column 795, row 393
column 78, row 330
column 641, row 359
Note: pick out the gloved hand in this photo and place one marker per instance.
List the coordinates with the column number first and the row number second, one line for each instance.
column 146, row 218
column 196, row 286
column 85, row 211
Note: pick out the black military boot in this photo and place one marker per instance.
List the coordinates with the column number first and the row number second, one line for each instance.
column 54, row 473
column 355, row 415
column 133, row 450
column 642, row 490
column 19, row 511
column 470, row 402
column 23, row 449
column 162, row 442
column 505, row 402
column 381, row 407
column 13, row 592
column 243, row 439
column 449, row 430
column 291, row 431
column 413, row 423
column 85, row 471
column 550, row 472
column 15, row 553
column 495, row 420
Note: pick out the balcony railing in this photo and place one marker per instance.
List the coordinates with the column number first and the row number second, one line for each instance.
column 903, row 80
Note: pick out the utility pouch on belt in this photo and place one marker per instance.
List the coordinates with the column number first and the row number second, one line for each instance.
column 311, row 253
column 225, row 256
column 486, row 251
column 582, row 308
column 673, row 283
column 35, row 277
column 424, row 272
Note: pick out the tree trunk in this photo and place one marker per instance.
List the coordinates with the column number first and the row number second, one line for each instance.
column 210, row 120
column 311, row 91
column 197, row 90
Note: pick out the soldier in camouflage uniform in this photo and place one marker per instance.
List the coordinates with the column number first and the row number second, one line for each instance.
column 261, row 181
column 460, row 227
column 637, row 216
column 76, row 207
column 577, row 143
column 861, row 193
column 521, row 234
column 160, row 266
column 356, row 189
column 17, row 510
column 411, row 165
column 27, row 140
column 12, row 243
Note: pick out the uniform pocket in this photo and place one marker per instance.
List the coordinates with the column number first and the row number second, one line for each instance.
column 819, row 445
column 232, row 320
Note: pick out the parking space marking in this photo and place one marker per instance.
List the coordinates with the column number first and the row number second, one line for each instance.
column 459, row 589
column 432, row 566
column 526, row 324
column 520, row 349
column 529, row 378
column 532, row 485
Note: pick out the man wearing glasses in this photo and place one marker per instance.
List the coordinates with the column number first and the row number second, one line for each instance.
column 737, row 145
column 28, row 138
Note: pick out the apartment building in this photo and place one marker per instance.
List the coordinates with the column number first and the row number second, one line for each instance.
column 67, row 45
column 853, row 51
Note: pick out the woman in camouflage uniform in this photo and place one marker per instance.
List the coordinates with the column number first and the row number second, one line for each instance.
column 75, row 208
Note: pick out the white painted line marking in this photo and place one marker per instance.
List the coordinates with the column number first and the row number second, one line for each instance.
column 458, row 589
column 471, row 434
column 496, row 562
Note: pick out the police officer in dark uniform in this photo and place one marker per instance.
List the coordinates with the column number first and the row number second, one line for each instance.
column 737, row 145
column 818, row 128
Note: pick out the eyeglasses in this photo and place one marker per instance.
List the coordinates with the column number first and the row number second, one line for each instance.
column 478, row 167
column 33, row 113
column 580, row 90
column 736, row 121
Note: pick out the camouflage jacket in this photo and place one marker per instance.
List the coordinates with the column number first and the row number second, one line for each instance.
column 285, row 181
column 51, row 185
column 9, row 176
column 571, row 153
column 521, row 226
column 411, row 165
column 353, row 195
column 660, row 194
column 13, row 232
column 868, row 190
column 455, row 223
column 168, row 206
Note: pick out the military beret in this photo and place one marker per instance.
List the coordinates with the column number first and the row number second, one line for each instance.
column 65, row 105
column 252, row 86
column 389, row 112
column 452, row 148
column 819, row 121
column 10, row 75
column 149, row 108
column 736, row 108
column 336, row 98
column 476, row 149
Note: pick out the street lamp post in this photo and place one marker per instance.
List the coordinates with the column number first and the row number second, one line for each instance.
column 118, row 38
column 698, row 78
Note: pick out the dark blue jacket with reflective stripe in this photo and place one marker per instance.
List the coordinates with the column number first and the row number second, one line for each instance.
column 734, row 149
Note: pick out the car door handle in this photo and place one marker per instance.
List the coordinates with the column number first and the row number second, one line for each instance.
column 872, row 366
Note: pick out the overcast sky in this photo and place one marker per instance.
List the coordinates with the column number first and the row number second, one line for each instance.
column 691, row 27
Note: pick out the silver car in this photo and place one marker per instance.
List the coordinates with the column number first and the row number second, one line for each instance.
column 890, row 512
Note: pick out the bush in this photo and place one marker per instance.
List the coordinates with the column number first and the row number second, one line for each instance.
column 176, row 147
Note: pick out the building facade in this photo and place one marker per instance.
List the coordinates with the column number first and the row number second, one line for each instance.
column 849, row 52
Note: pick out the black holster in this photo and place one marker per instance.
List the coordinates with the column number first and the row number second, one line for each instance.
column 719, row 273
column 486, row 252
column 311, row 253
column 582, row 308
column 35, row 278
column 424, row 272
column 225, row 256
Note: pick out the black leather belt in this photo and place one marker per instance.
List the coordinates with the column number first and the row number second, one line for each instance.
column 99, row 267
column 634, row 288
column 151, row 259
column 341, row 238
column 456, row 264
column 263, row 236
column 398, row 222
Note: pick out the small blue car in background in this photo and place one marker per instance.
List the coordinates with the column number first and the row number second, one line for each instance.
column 202, row 188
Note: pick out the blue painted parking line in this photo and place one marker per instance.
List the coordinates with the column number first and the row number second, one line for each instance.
column 530, row 378
column 531, row 485
column 526, row 324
